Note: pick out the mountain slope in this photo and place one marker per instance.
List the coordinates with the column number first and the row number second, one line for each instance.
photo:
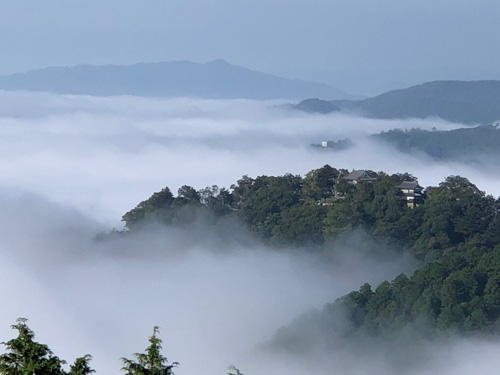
column 217, row 79
column 463, row 145
column 454, row 231
column 474, row 102
column 474, row 145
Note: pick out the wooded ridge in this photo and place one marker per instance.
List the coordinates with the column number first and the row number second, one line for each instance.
column 452, row 228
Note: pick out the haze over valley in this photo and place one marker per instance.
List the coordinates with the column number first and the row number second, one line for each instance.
column 283, row 187
column 112, row 152
column 73, row 165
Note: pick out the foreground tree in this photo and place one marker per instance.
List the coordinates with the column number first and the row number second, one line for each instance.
column 26, row 357
column 152, row 362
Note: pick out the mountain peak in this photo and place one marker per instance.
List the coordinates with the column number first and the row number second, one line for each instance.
column 168, row 79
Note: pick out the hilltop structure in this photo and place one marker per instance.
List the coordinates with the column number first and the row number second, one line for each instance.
column 412, row 192
column 359, row 175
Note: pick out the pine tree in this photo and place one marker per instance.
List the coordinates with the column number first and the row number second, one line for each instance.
column 152, row 362
column 26, row 357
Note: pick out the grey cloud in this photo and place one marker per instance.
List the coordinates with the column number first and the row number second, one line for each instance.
column 104, row 155
column 214, row 304
column 71, row 166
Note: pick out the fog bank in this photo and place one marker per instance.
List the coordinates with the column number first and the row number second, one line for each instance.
column 70, row 166
column 104, row 155
column 214, row 304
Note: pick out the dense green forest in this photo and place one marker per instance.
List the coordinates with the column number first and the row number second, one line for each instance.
column 455, row 234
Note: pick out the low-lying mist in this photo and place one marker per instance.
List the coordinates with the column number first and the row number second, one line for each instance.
column 104, row 155
column 215, row 304
column 70, row 166
column 447, row 356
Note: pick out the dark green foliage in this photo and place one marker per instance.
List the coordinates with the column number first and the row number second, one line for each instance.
column 81, row 366
column 163, row 208
column 266, row 198
column 305, row 211
column 289, row 209
column 455, row 233
column 26, row 357
column 152, row 362
column 188, row 193
column 456, row 292
column 455, row 212
column 320, row 183
column 218, row 201
column 374, row 206
column 301, row 224
column 150, row 209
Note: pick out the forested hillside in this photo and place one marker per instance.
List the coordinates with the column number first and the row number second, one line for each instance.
column 468, row 144
column 455, row 233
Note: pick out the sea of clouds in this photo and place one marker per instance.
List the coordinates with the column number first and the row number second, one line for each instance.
column 71, row 166
column 104, row 155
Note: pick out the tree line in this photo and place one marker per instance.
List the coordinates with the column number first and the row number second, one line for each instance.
column 455, row 234
column 311, row 210
column 25, row 356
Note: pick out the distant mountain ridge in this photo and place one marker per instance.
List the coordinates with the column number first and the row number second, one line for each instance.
column 468, row 102
column 214, row 80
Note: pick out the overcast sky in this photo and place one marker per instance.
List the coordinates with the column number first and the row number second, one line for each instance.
column 360, row 46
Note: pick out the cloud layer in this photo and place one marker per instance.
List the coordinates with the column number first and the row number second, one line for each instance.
column 104, row 155
column 70, row 166
column 214, row 304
